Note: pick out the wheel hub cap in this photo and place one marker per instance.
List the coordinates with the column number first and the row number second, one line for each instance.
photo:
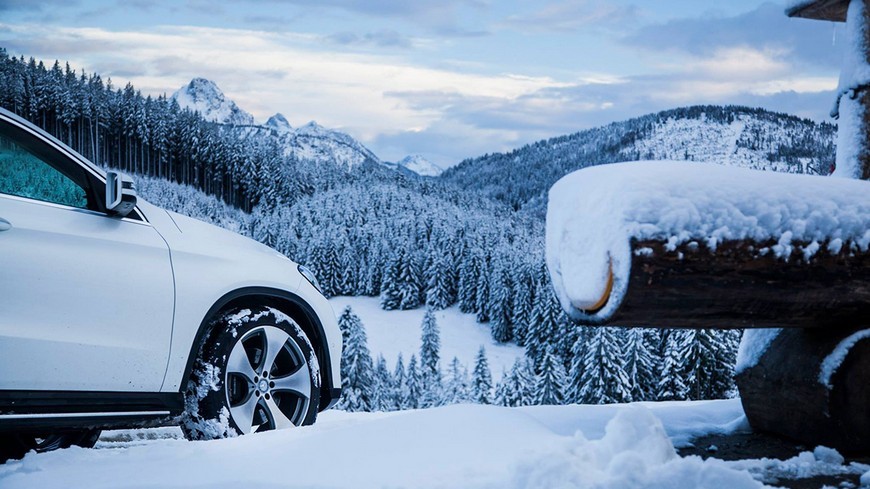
column 263, row 386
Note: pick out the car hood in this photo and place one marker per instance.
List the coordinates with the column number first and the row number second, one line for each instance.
column 218, row 240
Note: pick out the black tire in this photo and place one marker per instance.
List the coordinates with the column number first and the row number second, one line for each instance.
column 223, row 400
column 15, row 446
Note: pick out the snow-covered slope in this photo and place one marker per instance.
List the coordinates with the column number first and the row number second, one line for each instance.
column 393, row 332
column 205, row 97
column 315, row 142
column 420, row 165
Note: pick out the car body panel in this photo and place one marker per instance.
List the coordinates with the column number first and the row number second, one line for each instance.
column 86, row 301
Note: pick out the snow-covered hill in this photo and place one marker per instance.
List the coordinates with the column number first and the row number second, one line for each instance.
column 205, row 97
column 746, row 137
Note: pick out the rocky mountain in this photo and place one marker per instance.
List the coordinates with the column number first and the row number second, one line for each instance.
column 278, row 123
column 205, row 97
column 421, row 166
column 311, row 142
column 741, row 136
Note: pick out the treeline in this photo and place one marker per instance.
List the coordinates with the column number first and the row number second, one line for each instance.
column 609, row 365
column 120, row 128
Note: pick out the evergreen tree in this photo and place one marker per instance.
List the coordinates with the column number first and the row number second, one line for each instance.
column 481, row 379
column 501, row 308
column 603, row 380
column 430, row 371
column 440, row 293
column 672, row 383
column 518, row 386
column 414, row 384
column 640, row 363
column 391, row 297
column 385, row 387
column 400, row 385
column 358, row 388
column 550, row 385
column 456, row 388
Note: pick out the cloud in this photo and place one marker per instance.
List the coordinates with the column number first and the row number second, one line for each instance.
column 572, row 15
column 442, row 16
column 766, row 27
column 383, row 38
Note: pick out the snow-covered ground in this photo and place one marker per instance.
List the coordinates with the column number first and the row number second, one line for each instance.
column 462, row 446
column 392, row 332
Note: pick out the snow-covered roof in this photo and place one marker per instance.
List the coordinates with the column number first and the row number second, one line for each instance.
column 595, row 213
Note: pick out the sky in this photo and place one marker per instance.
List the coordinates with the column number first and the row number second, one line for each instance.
column 447, row 79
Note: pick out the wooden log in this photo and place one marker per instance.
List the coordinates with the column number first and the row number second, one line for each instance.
column 784, row 395
column 740, row 286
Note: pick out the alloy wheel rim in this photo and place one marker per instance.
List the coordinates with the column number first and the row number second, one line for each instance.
column 267, row 384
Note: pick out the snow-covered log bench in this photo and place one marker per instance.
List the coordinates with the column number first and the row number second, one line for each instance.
column 684, row 244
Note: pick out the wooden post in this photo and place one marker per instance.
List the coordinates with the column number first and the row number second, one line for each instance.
column 853, row 93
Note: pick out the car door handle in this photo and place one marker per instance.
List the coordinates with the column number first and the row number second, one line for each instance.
column 5, row 225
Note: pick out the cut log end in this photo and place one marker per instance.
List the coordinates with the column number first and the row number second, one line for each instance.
column 783, row 393
column 743, row 284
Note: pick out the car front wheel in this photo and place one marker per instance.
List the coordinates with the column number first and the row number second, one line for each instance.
column 259, row 372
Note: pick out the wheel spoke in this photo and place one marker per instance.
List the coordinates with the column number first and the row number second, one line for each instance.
column 239, row 364
column 298, row 382
column 279, row 421
column 243, row 414
column 275, row 341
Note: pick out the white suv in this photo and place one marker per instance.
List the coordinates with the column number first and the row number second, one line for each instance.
column 116, row 313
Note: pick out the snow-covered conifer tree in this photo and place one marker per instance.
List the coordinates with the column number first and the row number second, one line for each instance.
column 672, row 384
column 430, row 370
column 456, row 388
column 640, row 363
column 414, row 385
column 550, row 385
column 481, row 379
column 603, row 380
column 359, row 385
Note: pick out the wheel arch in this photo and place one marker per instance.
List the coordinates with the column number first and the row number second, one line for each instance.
column 286, row 302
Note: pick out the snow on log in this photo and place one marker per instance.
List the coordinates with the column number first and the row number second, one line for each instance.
column 684, row 244
column 811, row 385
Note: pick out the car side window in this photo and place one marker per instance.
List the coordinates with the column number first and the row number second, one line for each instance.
column 24, row 174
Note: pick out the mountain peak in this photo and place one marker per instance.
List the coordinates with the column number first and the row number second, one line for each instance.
column 421, row 166
column 204, row 96
column 278, row 123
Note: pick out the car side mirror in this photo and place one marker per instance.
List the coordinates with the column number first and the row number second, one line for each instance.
column 120, row 194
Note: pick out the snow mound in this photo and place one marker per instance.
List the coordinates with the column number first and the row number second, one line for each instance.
column 205, row 97
column 462, row 446
column 594, row 213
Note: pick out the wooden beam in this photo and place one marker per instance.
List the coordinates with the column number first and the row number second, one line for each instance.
column 737, row 287
column 831, row 10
